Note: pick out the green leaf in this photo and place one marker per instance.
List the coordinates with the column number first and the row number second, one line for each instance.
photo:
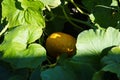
column 91, row 43
column 8, row 6
column 70, row 70
column 58, row 73
column 4, row 73
column 34, row 33
column 31, row 57
column 104, row 75
column 90, row 4
column 16, row 14
column 107, row 16
column 98, row 75
column 114, row 3
column 105, row 13
column 82, row 71
column 16, row 77
column 112, row 61
column 32, row 4
column 114, row 68
column 20, row 74
column 18, row 37
column 35, row 75
column 15, row 47
column 51, row 3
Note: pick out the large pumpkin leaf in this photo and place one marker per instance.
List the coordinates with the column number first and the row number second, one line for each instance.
column 70, row 70
column 90, row 44
column 82, row 71
column 58, row 73
column 23, row 13
column 15, row 47
column 20, row 36
column 31, row 57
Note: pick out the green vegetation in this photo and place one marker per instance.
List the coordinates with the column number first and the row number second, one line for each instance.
column 27, row 24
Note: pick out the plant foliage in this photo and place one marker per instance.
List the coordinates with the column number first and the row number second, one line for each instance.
column 25, row 25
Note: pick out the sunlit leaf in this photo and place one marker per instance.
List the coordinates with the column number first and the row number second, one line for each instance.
column 34, row 33
column 16, row 50
column 90, row 44
column 15, row 39
column 32, row 4
column 114, row 3
column 51, row 3
column 16, row 15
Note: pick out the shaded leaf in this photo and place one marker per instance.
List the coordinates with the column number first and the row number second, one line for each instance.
column 105, row 13
column 28, row 58
column 35, row 75
column 16, row 77
column 112, row 61
column 4, row 73
column 90, row 4
column 98, row 75
column 58, row 73
column 20, row 74
column 82, row 71
column 70, row 70
column 107, row 17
